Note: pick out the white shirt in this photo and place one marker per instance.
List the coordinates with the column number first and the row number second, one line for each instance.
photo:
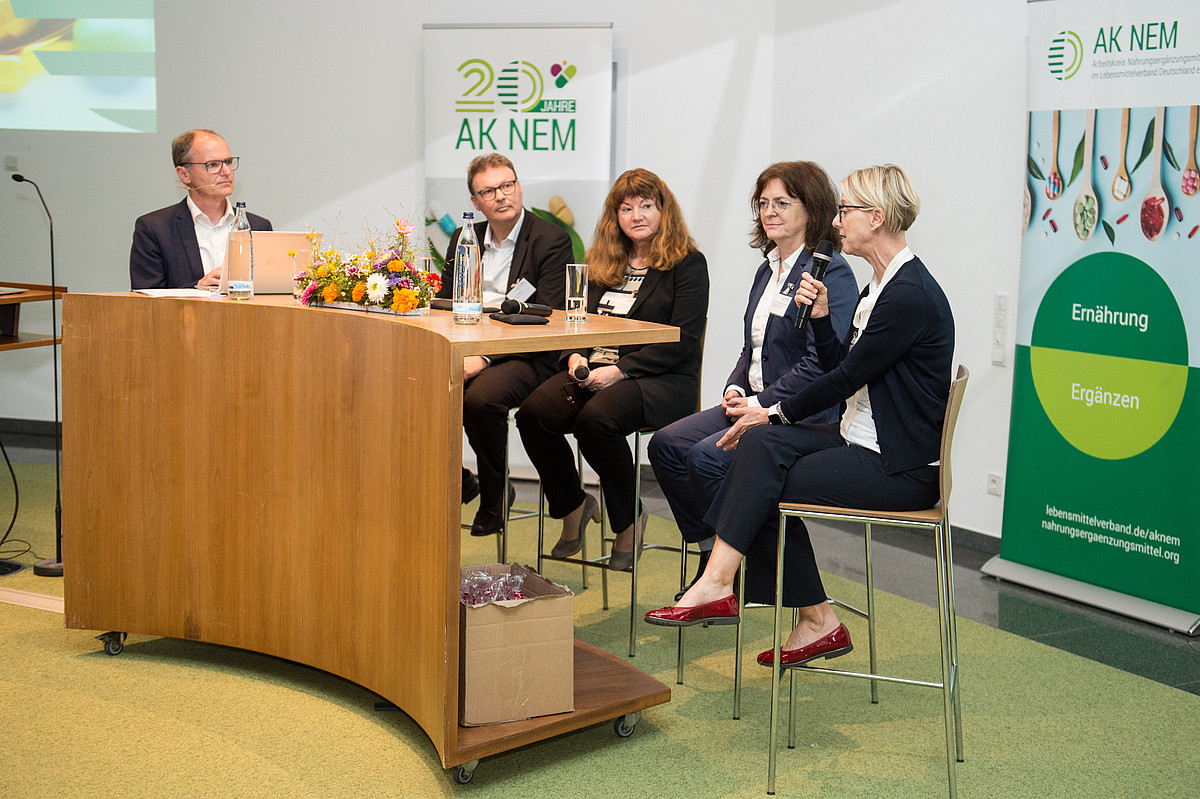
column 858, row 425
column 497, row 261
column 213, row 239
column 762, row 314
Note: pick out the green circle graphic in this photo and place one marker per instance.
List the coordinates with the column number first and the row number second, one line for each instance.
column 1109, row 356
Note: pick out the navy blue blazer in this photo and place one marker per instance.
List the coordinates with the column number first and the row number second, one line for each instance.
column 789, row 356
column 165, row 253
column 904, row 358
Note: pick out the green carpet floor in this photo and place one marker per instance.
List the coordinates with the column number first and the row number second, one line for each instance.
column 171, row 718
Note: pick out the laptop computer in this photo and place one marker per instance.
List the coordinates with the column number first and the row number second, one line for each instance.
column 273, row 267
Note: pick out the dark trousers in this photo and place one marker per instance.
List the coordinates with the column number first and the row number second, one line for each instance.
column 600, row 422
column 802, row 463
column 487, row 398
column 690, row 468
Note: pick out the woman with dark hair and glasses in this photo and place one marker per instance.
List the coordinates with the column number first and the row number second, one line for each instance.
column 893, row 370
column 643, row 265
column 793, row 206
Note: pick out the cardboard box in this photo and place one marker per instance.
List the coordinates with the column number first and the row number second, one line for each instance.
column 517, row 657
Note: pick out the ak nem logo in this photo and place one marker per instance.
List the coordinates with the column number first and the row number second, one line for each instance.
column 537, row 116
column 1065, row 55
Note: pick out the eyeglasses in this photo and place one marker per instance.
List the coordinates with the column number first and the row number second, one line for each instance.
column 780, row 206
column 214, row 167
column 842, row 209
column 506, row 188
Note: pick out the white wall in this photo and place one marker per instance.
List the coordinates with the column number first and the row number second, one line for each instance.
column 326, row 114
column 938, row 87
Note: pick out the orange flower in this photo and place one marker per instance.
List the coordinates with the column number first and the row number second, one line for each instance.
column 395, row 265
column 330, row 293
column 404, row 300
column 359, row 290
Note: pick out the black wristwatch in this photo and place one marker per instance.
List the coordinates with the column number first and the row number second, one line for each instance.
column 775, row 417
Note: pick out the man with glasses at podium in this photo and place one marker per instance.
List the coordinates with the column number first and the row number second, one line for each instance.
column 183, row 245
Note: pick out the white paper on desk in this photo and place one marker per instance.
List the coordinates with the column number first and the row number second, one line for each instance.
column 180, row 293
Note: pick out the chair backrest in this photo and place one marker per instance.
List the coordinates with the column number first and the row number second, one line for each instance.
column 953, row 404
column 700, row 374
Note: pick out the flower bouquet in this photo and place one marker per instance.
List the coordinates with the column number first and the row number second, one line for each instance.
column 383, row 278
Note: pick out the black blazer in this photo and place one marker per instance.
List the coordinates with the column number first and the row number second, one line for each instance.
column 165, row 253
column 541, row 256
column 669, row 373
column 904, row 358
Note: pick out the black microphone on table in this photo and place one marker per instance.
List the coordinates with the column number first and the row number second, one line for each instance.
column 820, row 262
column 533, row 309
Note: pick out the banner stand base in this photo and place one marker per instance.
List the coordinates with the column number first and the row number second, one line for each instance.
column 1172, row 618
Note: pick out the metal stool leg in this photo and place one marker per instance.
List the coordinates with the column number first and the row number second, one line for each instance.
column 775, row 647
column 947, row 676
column 683, row 553
column 737, row 646
column 871, row 647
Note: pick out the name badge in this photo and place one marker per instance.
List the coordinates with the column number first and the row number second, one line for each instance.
column 780, row 304
column 521, row 290
column 617, row 303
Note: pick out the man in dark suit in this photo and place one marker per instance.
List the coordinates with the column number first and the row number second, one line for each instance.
column 525, row 258
column 183, row 245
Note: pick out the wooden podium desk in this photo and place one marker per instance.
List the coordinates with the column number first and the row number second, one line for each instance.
column 287, row 480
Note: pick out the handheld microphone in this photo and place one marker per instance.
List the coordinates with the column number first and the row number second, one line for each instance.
column 820, row 262
column 581, row 372
column 516, row 306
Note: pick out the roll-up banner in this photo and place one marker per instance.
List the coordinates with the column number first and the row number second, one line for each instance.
column 1101, row 499
column 540, row 95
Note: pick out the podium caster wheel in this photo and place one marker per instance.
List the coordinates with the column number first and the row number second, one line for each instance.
column 114, row 643
column 623, row 726
column 465, row 773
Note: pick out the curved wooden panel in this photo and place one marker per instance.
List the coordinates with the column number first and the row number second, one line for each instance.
column 285, row 480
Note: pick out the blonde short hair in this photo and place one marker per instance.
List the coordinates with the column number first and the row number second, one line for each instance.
column 888, row 189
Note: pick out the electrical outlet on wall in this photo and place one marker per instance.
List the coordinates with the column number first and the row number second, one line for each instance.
column 995, row 484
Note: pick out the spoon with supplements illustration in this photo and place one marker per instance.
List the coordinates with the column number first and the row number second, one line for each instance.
column 1121, row 183
column 1028, row 204
column 1191, row 177
column 1054, row 181
column 1087, row 208
column 1155, row 208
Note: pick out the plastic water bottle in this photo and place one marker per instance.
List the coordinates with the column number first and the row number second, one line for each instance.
column 468, row 276
column 240, row 263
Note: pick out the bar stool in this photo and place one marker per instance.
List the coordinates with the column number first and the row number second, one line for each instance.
column 509, row 515
column 601, row 561
column 937, row 521
column 610, row 537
